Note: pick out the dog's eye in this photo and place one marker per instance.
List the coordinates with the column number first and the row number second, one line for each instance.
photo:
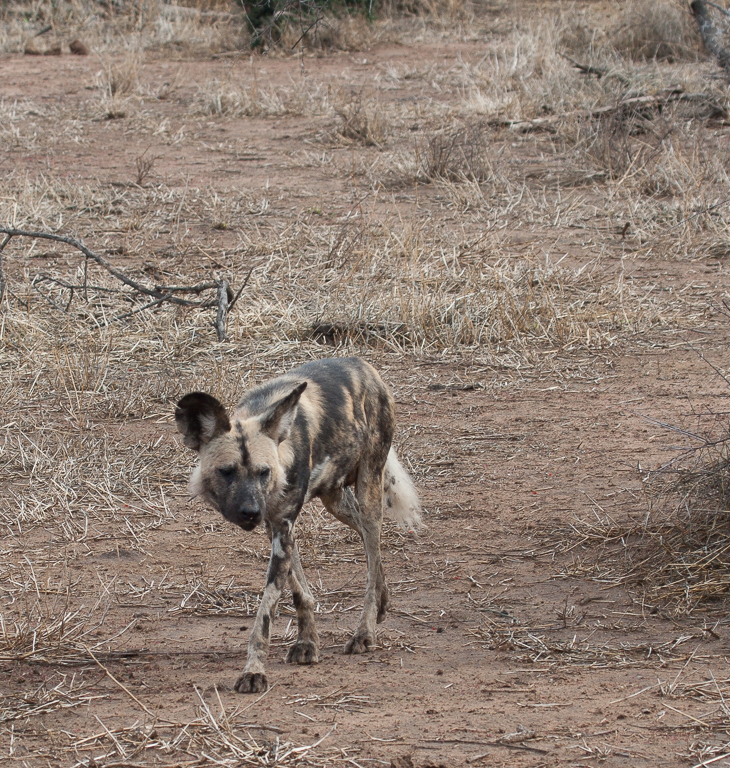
column 227, row 472
column 264, row 474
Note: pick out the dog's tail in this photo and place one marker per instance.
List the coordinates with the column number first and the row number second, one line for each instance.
column 400, row 498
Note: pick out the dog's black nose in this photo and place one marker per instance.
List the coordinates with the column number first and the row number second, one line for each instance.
column 247, row 519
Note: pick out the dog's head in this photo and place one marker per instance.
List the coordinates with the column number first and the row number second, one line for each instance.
column 242, row 460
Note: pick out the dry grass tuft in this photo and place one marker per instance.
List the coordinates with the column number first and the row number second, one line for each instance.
column 456, row 155
column 649, row 149
column 120, row 28
column 638, row 30
column 120, row 76
column 360, row 120
column 663, row 31
column 118, row 82
column 679, row 555
column 234, row 99
column 395, row 292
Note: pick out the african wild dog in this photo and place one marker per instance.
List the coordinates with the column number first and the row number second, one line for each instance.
column 322, row 430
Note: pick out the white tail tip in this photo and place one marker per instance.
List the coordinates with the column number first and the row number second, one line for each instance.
column 400, row 498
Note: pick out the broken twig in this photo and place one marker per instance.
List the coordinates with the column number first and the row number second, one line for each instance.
column 159, row 294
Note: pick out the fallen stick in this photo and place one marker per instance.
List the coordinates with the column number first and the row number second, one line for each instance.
column 550, row 122
column 220, row 319
column 160, row 294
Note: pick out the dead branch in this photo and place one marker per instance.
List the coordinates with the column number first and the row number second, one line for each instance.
column 711, row 36
column 220, row 320
column 550, row 122
column 186, row 288
column 160, row 294
column 240, row 290
column 2, row 274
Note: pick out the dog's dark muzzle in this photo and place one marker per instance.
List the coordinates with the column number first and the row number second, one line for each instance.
column 247, row 519
column 243, row 508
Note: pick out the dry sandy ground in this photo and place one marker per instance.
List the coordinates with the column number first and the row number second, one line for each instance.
column 507, row 643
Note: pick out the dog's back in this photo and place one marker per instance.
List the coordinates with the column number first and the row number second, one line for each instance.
column 345, row 414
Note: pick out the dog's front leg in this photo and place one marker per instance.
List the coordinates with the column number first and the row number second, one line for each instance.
column 305, row 650
column 253, row 679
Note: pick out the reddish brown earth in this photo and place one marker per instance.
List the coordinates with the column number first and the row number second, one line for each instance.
column 505, row 463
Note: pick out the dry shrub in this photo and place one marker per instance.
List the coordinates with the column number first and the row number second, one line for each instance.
column 361, row 121
column 342, row 32
column 687, row 542
column 691, row 165
column 452, row 157
column 152, row 24
column 678, row 556
column 660, row 153
column 357, row 25
column 619, row 142
column 461, row 154
column 523, row 75
column 655, row 29
column 661, row 30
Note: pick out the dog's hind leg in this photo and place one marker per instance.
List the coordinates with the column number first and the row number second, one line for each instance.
column 343, row 505
column 305, row 650
column 369, row 493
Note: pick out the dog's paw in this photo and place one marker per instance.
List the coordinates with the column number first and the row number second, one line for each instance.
column 303, row 652
column 360, row 642
column 251, row 682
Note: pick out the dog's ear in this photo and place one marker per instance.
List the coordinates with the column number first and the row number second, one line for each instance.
column 277, row 421
column 200, row 418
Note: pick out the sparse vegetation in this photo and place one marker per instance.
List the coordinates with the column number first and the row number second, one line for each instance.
column 678, row 556
column 510, row 214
